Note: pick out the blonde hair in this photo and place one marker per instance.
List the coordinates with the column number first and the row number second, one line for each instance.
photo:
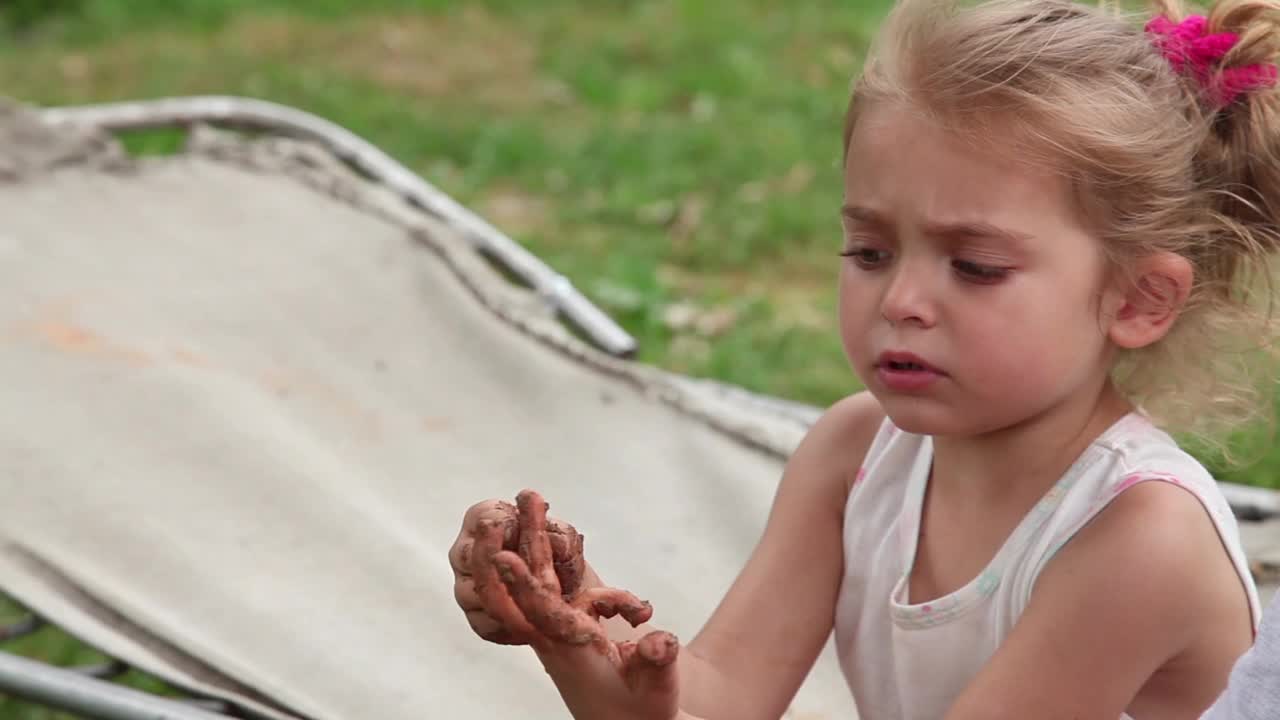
column 1154, row 163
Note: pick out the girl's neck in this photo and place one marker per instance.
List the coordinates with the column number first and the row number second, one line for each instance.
column 1023, row 461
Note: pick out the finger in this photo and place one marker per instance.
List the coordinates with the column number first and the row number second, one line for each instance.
column 659, row 648
column 459, row 552
column 488, row 586
column 484, row 624
column 544, row 608
column 649, row 665
column 511, row 529
column 535, row 547
column 460, row 556
column 608, row 602
column 487, row 510
column 507, row 515
column 464, row 593
column 490, row 629
column 567, row 557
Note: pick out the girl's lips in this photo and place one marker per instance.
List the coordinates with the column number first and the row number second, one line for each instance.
column 906, row 380
column 904, row 360
column 906, row 372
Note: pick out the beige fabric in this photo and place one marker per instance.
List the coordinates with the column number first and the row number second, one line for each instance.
column 245, row 408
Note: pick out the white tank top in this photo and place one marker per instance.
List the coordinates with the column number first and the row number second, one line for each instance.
column 910, row 662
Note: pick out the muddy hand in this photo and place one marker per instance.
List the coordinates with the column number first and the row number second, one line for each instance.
column 624, row 680
column 492, row 526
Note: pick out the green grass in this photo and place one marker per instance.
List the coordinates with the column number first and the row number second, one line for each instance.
column 50, row 645
column 658, row 153
column 661, row 153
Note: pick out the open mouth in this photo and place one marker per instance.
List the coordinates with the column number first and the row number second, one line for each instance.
column 907, row 367
column 904, row 372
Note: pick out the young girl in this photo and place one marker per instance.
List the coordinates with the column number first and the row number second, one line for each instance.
column 1056, row 228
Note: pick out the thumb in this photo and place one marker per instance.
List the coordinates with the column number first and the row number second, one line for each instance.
column 649, row 665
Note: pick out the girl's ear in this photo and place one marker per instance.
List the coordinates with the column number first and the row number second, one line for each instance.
column 1144, row 304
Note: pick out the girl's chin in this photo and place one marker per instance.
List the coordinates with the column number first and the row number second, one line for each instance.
column 929, row 416
column 915, row 415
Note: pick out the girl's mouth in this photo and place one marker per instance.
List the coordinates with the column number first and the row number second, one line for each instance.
column 905, row 372
column 902, row 361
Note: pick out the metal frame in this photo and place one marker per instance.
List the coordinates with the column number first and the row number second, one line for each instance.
column 88, row 691
column 251, row 114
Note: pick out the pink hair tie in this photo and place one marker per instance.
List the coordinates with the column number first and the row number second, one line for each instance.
column 1189, row 47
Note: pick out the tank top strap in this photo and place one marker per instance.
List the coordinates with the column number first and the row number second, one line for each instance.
column 1135, row 451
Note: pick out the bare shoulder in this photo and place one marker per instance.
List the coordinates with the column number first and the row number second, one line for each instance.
column 857, row 416
column 1142, row 611
column 838, row 441
column 1156, row 544
column 1162, row 539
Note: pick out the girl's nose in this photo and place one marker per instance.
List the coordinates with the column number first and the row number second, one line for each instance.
column 907, row 299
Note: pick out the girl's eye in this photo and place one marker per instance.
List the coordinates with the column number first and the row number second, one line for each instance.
column 975, row 272
column 865, row 258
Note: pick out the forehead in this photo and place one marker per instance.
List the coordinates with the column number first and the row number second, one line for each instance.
column 911, row 169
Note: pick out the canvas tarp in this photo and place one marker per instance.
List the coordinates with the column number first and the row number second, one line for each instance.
column 247, row 397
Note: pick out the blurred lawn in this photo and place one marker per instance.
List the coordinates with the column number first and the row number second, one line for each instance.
column 675, row 152
column 672, row 157
column 51, row 645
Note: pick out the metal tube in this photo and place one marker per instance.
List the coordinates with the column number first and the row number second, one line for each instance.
column 75, row 693
column 260, row 114
column 20, row 628
column 1251, row 503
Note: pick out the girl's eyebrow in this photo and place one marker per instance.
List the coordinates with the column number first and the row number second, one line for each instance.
column 862, row 214
column 945, row 230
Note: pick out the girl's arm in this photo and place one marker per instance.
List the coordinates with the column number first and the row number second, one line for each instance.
column 763, row 638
